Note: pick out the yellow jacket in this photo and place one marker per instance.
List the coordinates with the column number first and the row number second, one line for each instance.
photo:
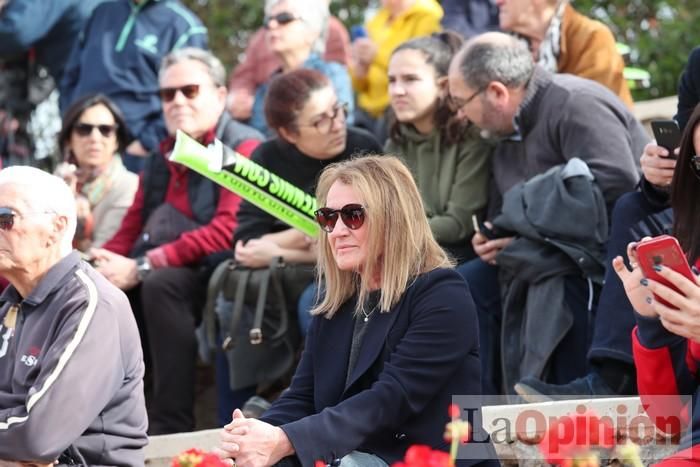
column 421, row 19
column 588, row 50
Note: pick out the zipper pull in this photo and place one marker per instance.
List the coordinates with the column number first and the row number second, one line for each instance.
column 11, row 317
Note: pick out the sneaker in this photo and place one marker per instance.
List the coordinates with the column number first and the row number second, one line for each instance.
column 592, row 385
column 255, row 407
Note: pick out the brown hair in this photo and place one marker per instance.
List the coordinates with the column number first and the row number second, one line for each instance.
column 288, row 94
column 438, row 50
column 398, row 233
column 685, row 192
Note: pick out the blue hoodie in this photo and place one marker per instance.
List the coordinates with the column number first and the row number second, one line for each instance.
column 119, row 55
column 50, row 27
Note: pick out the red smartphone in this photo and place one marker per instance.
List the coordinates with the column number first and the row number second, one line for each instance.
column 664, row 250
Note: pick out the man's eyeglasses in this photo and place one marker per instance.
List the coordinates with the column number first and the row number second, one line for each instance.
column 85, row 129
column 190, row 91
column 456, row 103
column 280, row 18
column 324, row 124
column 353, row 216
column 7, row 217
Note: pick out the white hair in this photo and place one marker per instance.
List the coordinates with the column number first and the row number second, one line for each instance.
column 45, row 192
column 314, row 13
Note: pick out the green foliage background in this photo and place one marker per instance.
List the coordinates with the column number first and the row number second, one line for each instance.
column 661, row 33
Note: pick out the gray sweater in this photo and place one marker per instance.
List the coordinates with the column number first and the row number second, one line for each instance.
column 562, row 117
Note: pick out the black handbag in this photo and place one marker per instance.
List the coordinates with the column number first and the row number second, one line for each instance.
column 257, row 330
column 164, row 225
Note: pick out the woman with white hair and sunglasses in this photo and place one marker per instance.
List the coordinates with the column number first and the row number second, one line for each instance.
column 393, row 338
column 295, row 32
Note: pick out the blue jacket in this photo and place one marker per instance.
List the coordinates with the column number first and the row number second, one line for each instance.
column 119, row 55
column 470, row 17
column 50, row 27
column 412, row 360
column 336, row 73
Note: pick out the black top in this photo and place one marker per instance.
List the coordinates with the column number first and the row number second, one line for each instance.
column 361, row 322
column 285, row 160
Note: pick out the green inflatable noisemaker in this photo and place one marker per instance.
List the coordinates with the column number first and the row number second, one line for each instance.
column 249, row 180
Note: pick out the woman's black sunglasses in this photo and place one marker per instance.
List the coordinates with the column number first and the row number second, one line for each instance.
column 353, row 216
column 280, row 18
column 85, row 129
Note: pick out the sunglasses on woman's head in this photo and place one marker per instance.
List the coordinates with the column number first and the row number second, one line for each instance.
column 190, row 91
column 353, row 216
column 85, row 129
column 280, row 18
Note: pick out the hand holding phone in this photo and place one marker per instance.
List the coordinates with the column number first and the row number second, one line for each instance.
column 667, row 135
column 492, row 232
column 663, row 250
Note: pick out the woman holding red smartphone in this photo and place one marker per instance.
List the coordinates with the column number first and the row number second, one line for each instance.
column 666, row 340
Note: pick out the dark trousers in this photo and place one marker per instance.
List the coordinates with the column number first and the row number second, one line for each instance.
column 168, row 306
column 569, row 359
column 614, row 320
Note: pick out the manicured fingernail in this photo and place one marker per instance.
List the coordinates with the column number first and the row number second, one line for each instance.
column 644, row 281
column 657, row 267
column 648, row 300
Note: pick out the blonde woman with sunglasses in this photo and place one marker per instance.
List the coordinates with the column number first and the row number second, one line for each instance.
column 392, row 340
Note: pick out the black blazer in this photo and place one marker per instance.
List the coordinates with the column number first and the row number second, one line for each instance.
column 418, row 355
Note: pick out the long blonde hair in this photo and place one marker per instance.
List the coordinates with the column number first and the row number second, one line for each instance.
column 398, row 235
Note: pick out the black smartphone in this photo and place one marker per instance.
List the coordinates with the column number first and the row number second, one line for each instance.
column 667, row 135
column 491, row 233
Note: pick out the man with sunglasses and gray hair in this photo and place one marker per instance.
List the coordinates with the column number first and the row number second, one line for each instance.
column 71, row 367
column 175, row 233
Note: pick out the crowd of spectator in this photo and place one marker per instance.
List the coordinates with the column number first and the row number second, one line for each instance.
column 519, row 164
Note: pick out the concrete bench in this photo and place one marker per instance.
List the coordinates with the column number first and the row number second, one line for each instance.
column 162, row 448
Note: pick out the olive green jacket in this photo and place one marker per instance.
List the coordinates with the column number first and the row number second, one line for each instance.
column 452, row 179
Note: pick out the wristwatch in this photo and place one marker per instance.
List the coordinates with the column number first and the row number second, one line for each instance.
column 143, row 267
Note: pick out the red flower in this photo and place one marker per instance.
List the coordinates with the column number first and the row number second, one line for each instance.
column 320, row 464
column 454, row 411
column 574, row 436
column 197, row 458
column 423, row 456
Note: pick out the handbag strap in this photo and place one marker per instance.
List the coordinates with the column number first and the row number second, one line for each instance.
column 255, row 334
column 282, row 300
column 216, row 282
column 241, row 287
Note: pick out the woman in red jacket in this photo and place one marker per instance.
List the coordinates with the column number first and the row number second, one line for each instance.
column 666, row 340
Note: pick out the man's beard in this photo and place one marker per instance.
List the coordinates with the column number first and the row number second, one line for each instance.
column 494, row 123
